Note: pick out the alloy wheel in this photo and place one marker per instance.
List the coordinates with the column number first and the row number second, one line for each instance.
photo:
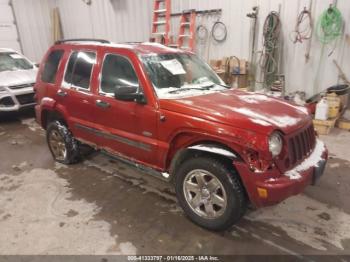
column 57, row 145
column 205, row 194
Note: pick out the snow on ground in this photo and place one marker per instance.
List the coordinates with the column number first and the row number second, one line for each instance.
column 308, row 221
column 37, row 216
column 32, row 125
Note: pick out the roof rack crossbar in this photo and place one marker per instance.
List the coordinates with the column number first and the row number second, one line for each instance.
column 82, row 40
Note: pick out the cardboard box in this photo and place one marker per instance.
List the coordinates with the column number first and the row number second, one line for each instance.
column 215, row 64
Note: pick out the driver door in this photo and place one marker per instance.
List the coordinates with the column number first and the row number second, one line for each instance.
column 125, row 128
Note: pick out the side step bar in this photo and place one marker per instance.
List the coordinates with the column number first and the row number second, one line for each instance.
column 150, row 171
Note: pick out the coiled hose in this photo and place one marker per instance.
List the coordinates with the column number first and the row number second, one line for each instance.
column 329, row 25
column 271, row 33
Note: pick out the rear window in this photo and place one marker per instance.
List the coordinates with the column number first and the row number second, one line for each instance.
column 79, row 69
column 51, row 66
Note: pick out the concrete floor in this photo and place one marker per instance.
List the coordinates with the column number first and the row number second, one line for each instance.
column 102, row 206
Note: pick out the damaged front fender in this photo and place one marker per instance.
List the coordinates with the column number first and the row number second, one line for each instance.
column 215, row 150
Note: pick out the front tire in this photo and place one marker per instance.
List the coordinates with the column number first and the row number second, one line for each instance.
column 210, row 193
column 63, row 146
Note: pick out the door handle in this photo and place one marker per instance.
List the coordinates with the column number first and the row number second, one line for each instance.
column 102, row 104
column 61, row 93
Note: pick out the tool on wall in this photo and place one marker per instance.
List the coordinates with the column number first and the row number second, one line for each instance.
column 219, row 31
column 254, row 16
column 269, row 58
column 304, row 29
column 330, row 26
column 202, row 36
column 161, row 18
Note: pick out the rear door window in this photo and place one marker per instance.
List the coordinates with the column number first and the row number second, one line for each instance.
column 51, row 65
column 79, row 69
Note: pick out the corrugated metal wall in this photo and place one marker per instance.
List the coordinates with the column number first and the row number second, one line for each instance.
column 8, row 30
column 116, row 20
column 130, row 20
column 34, row 25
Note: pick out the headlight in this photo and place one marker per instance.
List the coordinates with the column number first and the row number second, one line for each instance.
column 275, row 144
column 2, row 89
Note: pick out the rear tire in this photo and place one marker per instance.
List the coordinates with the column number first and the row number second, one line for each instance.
column 210, row 193
column 63, row 146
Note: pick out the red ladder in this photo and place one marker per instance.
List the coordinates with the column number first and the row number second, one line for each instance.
column 161, row 17
column 187, row 30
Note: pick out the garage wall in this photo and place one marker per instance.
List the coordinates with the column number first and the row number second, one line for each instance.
column 116, row 20
column 34, row 25
column 130, row 20
column 8, row 30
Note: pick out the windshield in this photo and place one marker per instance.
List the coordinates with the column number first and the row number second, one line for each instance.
column 11, row 61
column 181, row 75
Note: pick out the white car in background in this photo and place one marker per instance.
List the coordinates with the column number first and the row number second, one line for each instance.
column 17, row 78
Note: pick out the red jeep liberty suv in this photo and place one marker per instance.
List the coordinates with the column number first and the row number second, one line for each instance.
column 167, row 112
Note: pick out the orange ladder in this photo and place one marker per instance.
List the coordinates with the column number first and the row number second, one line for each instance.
column 187, row 30
column 161, row 17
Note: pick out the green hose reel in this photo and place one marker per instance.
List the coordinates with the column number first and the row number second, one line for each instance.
column 329, row 25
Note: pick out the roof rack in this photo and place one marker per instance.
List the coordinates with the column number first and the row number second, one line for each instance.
column 82, row 40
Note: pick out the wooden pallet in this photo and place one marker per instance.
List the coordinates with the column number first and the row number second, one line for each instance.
column 344, row 124
column 323, row 127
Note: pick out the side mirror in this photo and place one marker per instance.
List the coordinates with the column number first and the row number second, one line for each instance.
column 129, row 93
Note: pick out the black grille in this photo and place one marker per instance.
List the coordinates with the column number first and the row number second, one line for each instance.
column 26, row 99
column 21, row 86
column 301, row 145
column 6, row 101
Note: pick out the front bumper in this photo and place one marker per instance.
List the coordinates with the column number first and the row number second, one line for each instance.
column 272, row 187
column 14, row 100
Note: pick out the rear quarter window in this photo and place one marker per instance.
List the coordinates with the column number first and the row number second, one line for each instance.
column 51, row 65
column 79, row 69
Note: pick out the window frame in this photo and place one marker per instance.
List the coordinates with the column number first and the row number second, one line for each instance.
column 70, row 85
column 100, row 91
column 58, row 66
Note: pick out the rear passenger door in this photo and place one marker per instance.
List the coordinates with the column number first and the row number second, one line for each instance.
column 75, row 93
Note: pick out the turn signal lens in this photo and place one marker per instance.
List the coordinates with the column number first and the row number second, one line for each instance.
column 262, row 192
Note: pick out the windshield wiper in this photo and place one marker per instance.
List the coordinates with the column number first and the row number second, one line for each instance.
column 187, row 88
column 213, row 85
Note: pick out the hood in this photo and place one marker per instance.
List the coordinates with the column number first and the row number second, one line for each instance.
column 18, row 77
column 253, row 111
